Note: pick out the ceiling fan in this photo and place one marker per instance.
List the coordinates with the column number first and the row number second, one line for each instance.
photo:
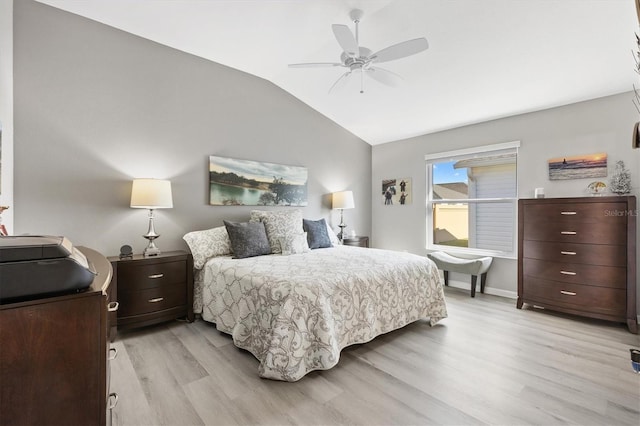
column 357, row 58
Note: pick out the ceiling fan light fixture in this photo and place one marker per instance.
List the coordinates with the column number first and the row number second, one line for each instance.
column 358, row 58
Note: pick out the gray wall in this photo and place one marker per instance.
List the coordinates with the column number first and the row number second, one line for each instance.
column 96, row 107
column 600, row 125
column 6, row 110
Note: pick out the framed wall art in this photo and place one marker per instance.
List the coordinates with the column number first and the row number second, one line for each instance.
column 234, row 182
column 396, row 191
column 578, row 167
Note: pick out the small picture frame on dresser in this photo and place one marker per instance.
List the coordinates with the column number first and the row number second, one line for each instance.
column 126, row 252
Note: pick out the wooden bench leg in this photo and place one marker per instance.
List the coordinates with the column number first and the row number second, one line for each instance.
column 474, row 279
column 483, row 281
column 446, row 277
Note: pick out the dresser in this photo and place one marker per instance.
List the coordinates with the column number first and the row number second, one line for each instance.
column 54, row 356
column 154, row 289
column 578, row 256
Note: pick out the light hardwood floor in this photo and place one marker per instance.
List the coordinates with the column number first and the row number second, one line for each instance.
column 488, row 363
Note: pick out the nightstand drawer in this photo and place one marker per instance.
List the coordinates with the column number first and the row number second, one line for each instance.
column 356, row 241
column 151, row 300
column 139, row 277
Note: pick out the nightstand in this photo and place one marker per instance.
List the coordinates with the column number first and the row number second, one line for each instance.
column 356, row 241
column 153, row 289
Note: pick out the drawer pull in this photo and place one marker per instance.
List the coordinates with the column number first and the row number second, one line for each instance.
column 567, row 272
column 568, row 293
column 113, row 401
column 113, row 353
column 568, row 232
column 113, row 306
column 569, row 213
column 154, row 276
column 569, row 253
column 156, row 300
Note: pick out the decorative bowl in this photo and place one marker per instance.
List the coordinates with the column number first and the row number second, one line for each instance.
column 597, row 187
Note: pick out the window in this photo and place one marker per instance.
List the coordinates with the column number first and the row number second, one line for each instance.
column 472, row 199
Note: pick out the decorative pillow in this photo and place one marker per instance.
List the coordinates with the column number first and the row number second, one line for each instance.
column 317, row 234
column 207, row 244
column 248, row 239
column 294, row 244
column 278, row 224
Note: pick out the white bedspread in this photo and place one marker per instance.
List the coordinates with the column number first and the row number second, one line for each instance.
column 296, row 313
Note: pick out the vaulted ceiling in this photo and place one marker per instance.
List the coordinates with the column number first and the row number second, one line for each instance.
column 487, row 59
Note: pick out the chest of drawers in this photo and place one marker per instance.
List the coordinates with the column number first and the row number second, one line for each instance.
column 577, row 255
column 54, row 366
column 154, row 289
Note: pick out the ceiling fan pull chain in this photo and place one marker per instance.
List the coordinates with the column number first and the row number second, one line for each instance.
column 361, row 80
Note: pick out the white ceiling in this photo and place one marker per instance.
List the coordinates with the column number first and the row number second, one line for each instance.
column 487, row 58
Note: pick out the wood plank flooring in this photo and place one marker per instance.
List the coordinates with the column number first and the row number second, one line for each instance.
column 488, row 363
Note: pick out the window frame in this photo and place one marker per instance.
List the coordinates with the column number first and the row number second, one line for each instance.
column 480, row 151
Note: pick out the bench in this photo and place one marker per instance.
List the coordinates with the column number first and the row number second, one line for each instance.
column 474, row 267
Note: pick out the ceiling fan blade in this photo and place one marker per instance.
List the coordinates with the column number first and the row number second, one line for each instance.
column 386, row 77
column 345, row 38
column 340, row 81
column 400, row 50
column 315, row 65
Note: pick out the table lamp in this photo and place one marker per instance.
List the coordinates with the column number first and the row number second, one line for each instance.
column 151, row 194
column 342, row 200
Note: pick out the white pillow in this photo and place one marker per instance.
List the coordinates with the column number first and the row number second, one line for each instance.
column 294, row 244
column 278, row 224
column 335, row 241
column 207, row 244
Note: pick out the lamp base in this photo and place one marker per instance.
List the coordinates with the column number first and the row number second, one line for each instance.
column 151, row 235
column 151, row 249
column 341, row 226
column 341, row 234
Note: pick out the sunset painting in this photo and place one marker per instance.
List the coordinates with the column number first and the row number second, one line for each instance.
column 578, row 167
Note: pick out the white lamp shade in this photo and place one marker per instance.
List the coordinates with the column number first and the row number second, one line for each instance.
column 151, row 194
column 343, row 200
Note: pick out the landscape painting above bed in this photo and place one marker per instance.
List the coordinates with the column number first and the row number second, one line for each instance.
column 235, row 182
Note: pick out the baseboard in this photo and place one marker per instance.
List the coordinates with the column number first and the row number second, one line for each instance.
column 487, row 290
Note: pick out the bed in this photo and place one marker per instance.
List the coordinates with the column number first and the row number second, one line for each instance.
column 295, row 312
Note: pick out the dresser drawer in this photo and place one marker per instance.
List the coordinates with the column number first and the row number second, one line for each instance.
column 600, row 300
column 604, row 231
column 136, row 276
column 151, row 300
column 577, row 212
column 576, row 273
column 594, row 254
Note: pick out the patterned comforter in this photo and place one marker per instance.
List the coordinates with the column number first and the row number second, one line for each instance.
column 296, row 313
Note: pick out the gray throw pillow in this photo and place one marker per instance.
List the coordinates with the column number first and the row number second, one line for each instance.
column 317, row 235
column 248, row 239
